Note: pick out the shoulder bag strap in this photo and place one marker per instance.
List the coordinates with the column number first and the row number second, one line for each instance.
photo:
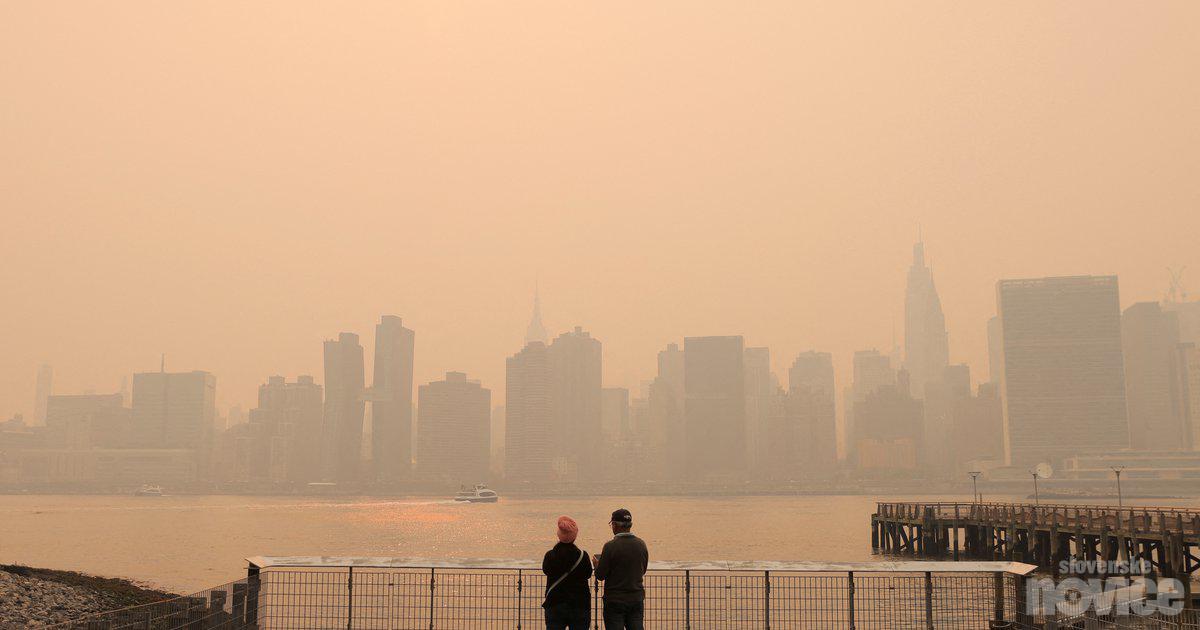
column 562, row 577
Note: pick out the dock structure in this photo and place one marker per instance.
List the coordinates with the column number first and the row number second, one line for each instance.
column 1165, row 541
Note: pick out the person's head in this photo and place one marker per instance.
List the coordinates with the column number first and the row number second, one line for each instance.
column 568, row 530
column 622, row 521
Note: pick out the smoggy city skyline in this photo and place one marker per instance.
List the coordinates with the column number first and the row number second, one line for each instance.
column 232, row 186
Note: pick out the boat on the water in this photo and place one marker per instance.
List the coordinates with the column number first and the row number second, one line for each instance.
column 148, row 491
column 479, row 494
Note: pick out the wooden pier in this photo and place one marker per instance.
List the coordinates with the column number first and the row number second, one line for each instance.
column 1166, row 541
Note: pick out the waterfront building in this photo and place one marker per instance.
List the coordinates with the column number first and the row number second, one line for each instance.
column 498, row 422
column 528, row 439
column 714, row 406
column 944, row 397
column 43, row 388
column 811, row 388
column 575, row 398
column 872, row 371
column 995, row 340
column 1064, row 378
column 977, row 430
column 115, row 469
column 343, row 413
column 926, row 343
column 1153, row 392
column 175, row 410
column 391, row 400
column 659, row 421
column 1189, row 378
column 284, row 433
column 889, row 425
column 761, row 391
column 453, row 429
column 87, row 421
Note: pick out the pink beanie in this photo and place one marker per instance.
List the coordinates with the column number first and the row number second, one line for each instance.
column 567, row 529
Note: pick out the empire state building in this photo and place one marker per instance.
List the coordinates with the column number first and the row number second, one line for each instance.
column 926, row 346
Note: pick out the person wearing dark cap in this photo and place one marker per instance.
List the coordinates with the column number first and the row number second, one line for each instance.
column 622, row 565
column 568, row 601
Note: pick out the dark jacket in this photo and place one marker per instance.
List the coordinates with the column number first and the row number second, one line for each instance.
column 573, row 590
column 622, row 565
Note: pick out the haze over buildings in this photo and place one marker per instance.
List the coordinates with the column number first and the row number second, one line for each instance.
column 732, row 191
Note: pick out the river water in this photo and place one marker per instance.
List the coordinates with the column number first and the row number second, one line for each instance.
column 187, row 543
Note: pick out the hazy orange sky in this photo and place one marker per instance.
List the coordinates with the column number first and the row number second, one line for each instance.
column 231, row 183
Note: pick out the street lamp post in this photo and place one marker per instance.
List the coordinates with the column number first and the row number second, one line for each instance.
column 1036, row 500
column 1117, row 470
column 975, row 486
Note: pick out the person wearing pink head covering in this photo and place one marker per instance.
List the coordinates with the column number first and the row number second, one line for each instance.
column 568, row 599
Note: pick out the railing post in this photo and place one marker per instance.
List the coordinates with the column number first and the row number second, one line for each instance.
column 519, row 585
column 432, row 584
column 929, row 600
column 687, row 600
column 350, row 598
column 850, row 598
column 596, row 607
column 767, row 600
column 998, row 597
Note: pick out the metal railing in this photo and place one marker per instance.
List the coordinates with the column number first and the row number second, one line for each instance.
column 403, row 594
column 397, row 594
column 219, row 608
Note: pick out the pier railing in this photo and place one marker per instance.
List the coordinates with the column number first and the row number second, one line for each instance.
column 1147, row 519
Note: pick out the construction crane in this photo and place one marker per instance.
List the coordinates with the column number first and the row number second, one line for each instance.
column 1176, row 293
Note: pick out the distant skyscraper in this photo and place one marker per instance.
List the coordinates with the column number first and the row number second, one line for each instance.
column 1189, row 367
column 714, row 405
column 926, row 345
column 995, row 351
column 1064, row 379
column 453, row 429
column 663, row 433
column 497, row 442
column 344, row 407
column 1188, row 314
column 943, row 398
column 536, row 330
column 761, row 391
column 575, row 399
column 43, row 390
column 175, row 410
column 286, row 431
column 528, row 437
column 872, row 371
column 1150, row 342
column 391, row 396
column 614, row 414
column 811, row 396
column 889, row 427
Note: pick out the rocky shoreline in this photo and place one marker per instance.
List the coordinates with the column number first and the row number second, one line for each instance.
column 32, row 597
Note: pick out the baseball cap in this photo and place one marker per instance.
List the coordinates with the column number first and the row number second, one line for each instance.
column 622, row 517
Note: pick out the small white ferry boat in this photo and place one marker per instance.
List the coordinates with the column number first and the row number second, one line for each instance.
column 149, row 491
column 479, row 494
